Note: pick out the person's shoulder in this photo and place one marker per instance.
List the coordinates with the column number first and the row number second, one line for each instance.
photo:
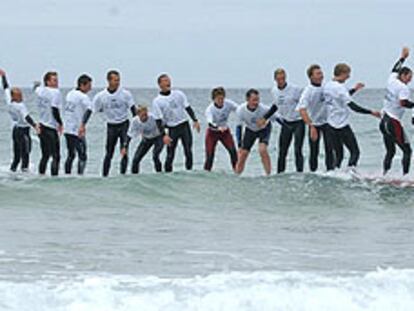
column 264, row 106
column 210, row 106
column 241, row 107
column 178, row 92
column 231, row 102
column 125, row 92
column 101, row 93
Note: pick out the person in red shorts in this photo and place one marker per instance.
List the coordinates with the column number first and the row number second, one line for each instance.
column 217, row 115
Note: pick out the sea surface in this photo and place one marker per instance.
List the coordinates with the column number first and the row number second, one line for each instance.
column 206, row 241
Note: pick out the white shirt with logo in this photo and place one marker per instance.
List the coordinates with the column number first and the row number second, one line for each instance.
column 171, row 108
column 220, row 116
column 77, row 103
column 312, row 100
column 48, row 98
column 115, row 106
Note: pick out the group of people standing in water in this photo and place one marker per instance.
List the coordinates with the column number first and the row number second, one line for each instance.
column 323, row 108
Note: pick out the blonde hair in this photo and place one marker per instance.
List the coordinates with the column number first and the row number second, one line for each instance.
column 141, row 108
column 279, row 71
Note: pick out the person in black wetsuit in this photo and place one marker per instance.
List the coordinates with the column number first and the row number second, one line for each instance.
column 397, row 101
column 340, row 104
column 170, row 108
column 145, row 125
column 116, row 103
column 22, row 142
column 49, row 102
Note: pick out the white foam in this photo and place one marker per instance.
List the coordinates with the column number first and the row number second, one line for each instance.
column 379, row 290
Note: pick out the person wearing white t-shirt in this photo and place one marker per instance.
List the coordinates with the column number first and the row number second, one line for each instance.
column 49, row 102
column 217, row 115
column 397, row 100
column 21, row 121
column 115, row 103
column 250, row 129
column 145, row 125
column 340, row 103
column 286, row 97
column 314, row 113
column 171, row 108
column 77, row 111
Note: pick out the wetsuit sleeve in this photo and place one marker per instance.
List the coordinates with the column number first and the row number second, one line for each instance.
column 271, row 112
column 352, row 91
column 86, row 116
column 407, row 103
column 239, row 135
column 398, row 65
column 4, row 82
column 56, row 115
column 191, row 113
column 160, row 126
column 30, row 121
column 357, row 108
column 133, row 111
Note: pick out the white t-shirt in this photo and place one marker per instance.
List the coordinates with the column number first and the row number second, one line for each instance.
column 220, row 116
column 313, row 101
column 337, row 99
column 171, row 108
column 76, row 105
column 17, row 111
column 116, row 106
column 249, row 118
column 147, row 129
column 47, row 98
column 286, row 100
column 396, row 91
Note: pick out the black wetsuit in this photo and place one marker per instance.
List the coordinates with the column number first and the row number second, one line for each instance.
column 144, row 146
column 393, row 134
column 314, row 148
column 291, row 130
column 183, row 133
column 50, row 147
column 113, row 133
column 78, row 145
column 22, row 142
column 22, row 146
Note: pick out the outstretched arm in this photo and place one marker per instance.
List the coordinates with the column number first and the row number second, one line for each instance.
column 404, row 55
column 4, row 81
column 359, row 109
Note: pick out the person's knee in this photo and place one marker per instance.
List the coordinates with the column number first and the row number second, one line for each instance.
column 408, row 151
column 263, row 150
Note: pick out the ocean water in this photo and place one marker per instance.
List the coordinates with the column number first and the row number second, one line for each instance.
column 199, row 241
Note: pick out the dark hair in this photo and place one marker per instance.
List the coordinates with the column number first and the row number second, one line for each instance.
column 218, row 91
column 404, row 71
column 48, row 75
column 84, row 79
column 251, row 92
column 160, row 77
column 311, row 69
column 111, row 73
column 341, row 69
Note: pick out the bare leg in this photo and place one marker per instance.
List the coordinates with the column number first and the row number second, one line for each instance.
column 243, row 155
column 267, row 165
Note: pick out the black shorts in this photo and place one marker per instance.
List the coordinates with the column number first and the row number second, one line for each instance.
column 250, row 137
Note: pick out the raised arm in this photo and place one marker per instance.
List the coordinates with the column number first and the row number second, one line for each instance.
column 404, row 55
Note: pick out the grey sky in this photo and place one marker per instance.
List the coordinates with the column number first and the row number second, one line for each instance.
column 201, row 43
